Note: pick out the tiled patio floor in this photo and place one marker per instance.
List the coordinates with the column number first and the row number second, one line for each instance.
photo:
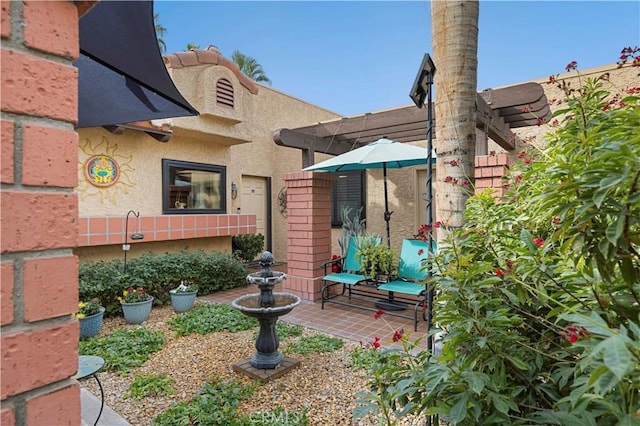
column 341, row 321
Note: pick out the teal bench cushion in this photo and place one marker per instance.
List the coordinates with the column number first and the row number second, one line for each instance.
column 404, row 287
column 345, row 278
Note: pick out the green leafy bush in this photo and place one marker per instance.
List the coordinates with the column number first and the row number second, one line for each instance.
column 123, row 349
column 247, row 246
column 538, row 294
column 159, row 273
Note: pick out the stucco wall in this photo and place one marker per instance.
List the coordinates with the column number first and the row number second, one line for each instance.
column 140, row 159
column 240, row 139
column 114, row 251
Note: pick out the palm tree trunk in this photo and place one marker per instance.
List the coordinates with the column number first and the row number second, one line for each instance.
column 454, row 30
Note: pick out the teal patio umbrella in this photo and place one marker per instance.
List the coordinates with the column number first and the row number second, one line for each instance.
column 382, row 154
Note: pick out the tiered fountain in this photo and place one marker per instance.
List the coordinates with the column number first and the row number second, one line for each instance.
column 266, row 306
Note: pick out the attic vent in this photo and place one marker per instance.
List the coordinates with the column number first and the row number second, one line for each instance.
column 224, row 93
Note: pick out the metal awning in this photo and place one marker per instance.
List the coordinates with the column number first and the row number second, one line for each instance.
column 121, row 75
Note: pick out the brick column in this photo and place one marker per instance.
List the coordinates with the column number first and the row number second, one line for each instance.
column 39, row 226
column 490, row 169
column 308, row 231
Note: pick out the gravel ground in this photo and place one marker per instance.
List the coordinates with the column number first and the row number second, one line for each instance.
column 323, row 384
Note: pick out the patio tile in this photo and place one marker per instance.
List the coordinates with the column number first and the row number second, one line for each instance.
column 340, row 321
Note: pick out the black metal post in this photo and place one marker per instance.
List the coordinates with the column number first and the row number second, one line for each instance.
column 430, row 204
column 125, row 246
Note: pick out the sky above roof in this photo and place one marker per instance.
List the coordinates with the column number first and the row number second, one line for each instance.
column 353, row 57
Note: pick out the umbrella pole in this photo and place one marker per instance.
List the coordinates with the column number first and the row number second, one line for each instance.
column 387, row 213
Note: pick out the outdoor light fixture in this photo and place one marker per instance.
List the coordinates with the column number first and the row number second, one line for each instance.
column 234, row 191
column 421, row 90
column 424, row 80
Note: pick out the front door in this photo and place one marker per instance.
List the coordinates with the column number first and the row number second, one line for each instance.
column 255, row 191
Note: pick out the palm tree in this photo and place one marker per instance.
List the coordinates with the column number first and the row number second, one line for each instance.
column 160, row 32
column 250, row 67
column 192, row 46
column 454, row 31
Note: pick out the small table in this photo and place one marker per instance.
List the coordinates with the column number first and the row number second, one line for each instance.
column 89, row 365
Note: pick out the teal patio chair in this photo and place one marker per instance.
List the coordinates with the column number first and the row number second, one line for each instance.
column 412, row 275
column 351, row 273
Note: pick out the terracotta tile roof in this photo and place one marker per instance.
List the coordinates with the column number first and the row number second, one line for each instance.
column 211, row 55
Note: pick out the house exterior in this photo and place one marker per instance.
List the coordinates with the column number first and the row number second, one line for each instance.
column 43, row 214
column 219, row 174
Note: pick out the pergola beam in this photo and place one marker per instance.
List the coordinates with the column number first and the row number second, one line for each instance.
column 498, row 112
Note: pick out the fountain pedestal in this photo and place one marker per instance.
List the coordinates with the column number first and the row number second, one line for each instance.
column 266, row 306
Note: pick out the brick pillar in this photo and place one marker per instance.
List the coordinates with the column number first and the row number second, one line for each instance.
column 39, row 226
column 308, row 231
column 490, row 169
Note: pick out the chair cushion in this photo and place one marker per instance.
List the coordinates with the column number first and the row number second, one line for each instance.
column 403, row 287
column 345, row 278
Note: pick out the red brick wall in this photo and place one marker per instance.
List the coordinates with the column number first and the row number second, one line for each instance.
column 39, row 226
column 490, row 169
column 308, row 231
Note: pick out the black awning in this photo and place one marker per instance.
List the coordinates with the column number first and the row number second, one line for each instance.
column 122, row 77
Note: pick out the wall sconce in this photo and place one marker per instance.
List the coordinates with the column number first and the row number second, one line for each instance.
column 234, row 191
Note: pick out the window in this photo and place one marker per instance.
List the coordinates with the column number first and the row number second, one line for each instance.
column 348, row 190
column 193, row 187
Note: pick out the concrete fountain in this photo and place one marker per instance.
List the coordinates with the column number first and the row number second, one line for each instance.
column 266, row 306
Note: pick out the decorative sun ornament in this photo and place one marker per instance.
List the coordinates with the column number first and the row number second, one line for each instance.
column 103, row 168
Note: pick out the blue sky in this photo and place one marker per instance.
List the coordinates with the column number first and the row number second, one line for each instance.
column 353, row 57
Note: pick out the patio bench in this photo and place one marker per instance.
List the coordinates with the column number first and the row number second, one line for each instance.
column 393, row 296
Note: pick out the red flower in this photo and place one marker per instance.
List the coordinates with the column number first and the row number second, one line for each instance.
column 397, row 335
column 573, row 333
column 522, row 154
column 376, row 343
column 438, row 224
column 499, row 272
column 571, row 66
column 538, row 241
column 555, row 219
column 453, row 163
column 420, row 252
column 378, row 314
column 335, row 268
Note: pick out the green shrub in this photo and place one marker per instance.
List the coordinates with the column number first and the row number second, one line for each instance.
column 538, row 293
column 159, row 273
column 247, row 246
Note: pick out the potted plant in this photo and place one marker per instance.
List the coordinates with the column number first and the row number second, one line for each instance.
column 136, row 305
column 90, row 315
column 376, row 259
column 183, row 297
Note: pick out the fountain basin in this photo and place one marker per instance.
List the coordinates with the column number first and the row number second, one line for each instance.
column 250, row 305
